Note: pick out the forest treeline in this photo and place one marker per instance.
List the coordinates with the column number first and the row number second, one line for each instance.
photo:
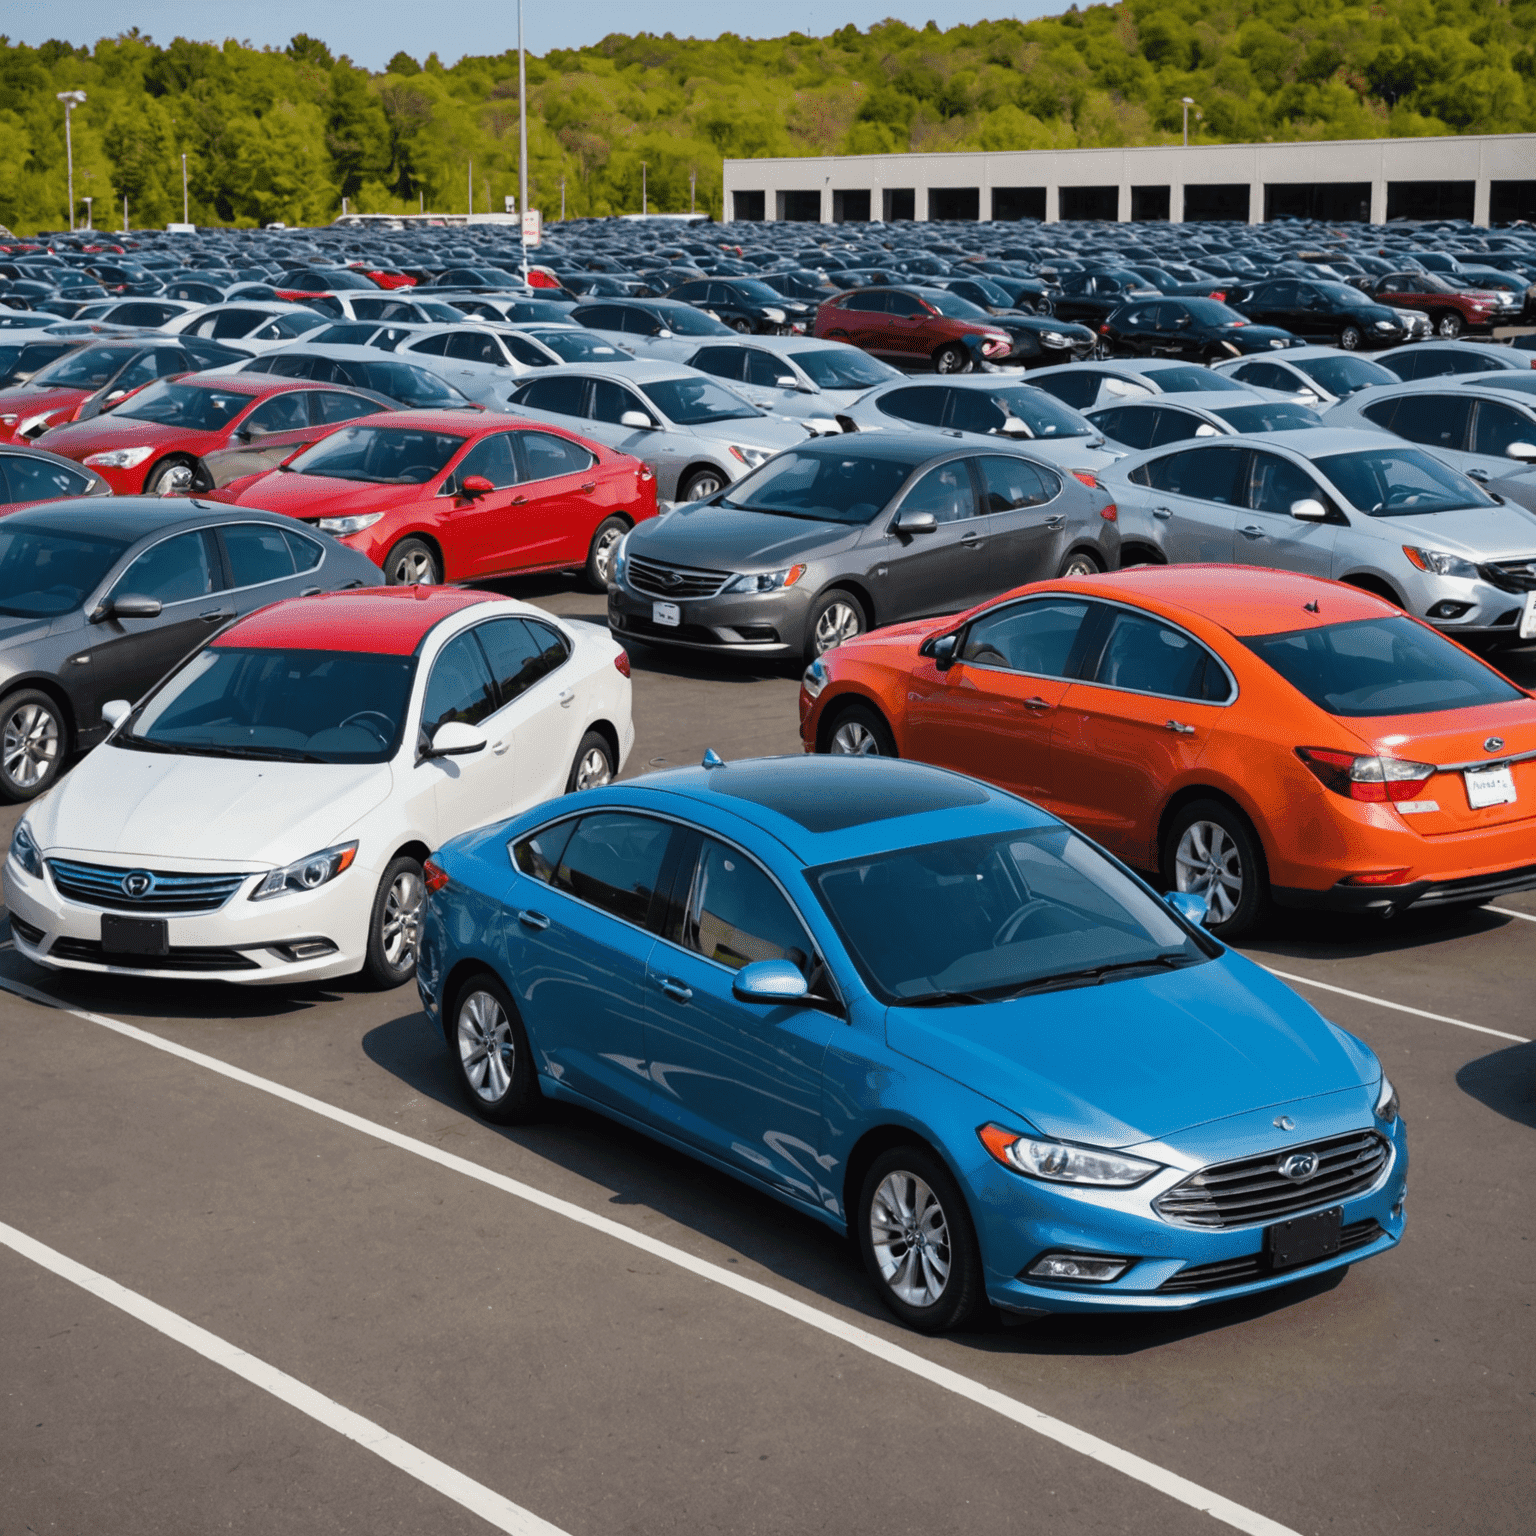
column 285, row 134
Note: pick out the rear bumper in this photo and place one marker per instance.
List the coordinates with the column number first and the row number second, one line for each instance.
column 1384, row 900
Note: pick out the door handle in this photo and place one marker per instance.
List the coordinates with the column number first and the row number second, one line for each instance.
column 1478, row 474
column 676, row 990
column 518, row 501
column 1163, row 512
column 1055, row 523
column 500, row 748
column 531, row 919
column 586, row 490
column 1252, row 531
column 567, row 698
column 311, row 592
column 1038, row 703
column 971, row 540
column 1178, row 728
column 217, row 615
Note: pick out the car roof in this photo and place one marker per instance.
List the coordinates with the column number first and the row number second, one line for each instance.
column 131, row 518
column 461, row 422
column 1316, row 442
column 641, row 371
column 381, row 621
column 912, row 448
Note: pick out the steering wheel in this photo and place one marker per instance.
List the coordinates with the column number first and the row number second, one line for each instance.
column 363, row 715
column 1016, row 920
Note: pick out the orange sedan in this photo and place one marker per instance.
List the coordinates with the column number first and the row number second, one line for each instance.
column 1248, row 735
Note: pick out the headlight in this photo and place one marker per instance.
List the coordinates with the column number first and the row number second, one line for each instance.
column 775, row 315
column 814, row 679
column 1386, row 325
column 340, row 525
column 24, row 851
column 765, row 581
column 620, row 555
column 31, row 425
column 307, row 874
column 1387, row 1109
column 118, row 458
column 1058, row 1163
column 1438, row 563
column 1055, row 339
column 751, row 457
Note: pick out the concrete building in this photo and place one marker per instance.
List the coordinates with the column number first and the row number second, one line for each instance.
column 1487, row 178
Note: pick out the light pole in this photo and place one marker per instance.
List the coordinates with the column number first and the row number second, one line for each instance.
column 643, row 208
column 1187, row 102
column 87, row 201
column 522, row 141
column 562, row 199
column 693, row 187
column 71, row 100
column 186, row 218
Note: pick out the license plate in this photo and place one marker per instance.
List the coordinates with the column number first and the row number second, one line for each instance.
column 133, row 935
column 1490, row 786
column 1304, row 1239
column 1528, row 617
column 666, row 613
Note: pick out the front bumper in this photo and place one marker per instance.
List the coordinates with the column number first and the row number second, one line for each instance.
column 759, row 624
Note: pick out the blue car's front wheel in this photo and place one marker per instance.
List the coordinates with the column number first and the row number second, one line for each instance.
column 495, row 1064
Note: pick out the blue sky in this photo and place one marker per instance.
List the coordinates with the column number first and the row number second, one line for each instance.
column 371, row 33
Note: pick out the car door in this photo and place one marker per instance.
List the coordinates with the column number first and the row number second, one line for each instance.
column 906, row 333
column 481, row 533
column 560, row 480
column 1280, row 304
column 1139, row 727
column 740, row 1081
column 865, row 317
column 992, row 714
column 578, row 939
column 923, row 405
column 1266, row 532
column 477, row 787
column 936, row 572
column 1200, row 489
column 1496, row 427
column 1021, row 532
column 536, row 710
column 274, row 428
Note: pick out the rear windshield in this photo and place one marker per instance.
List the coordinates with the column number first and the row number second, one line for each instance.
column 822, row 487
column 1191, row 380
column 580, row 346
column 410, row 385
column 1274, row 417
column 1389, row 666
column 44, row 574
column 690, row 402
column 843, row 368
column 1400, row 482
column 89, row 369
column 185, row 405
column 1342, row 375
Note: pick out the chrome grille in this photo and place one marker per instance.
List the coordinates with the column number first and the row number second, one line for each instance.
column 673, row 581
column 101, row 885
column 1251, row 1190
column 1511, row 575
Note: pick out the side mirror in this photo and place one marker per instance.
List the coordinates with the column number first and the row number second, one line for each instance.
column 1525, row 452
column 1191, row 907
column 456, row 739
column 945, row 651
column 128, row 606
column 1309, row 510
column 789, row 381
column 638, row 420
column 115, row 711
column 244, row 435
column 1205, row 429
column 475, row 485
column 770, row 981
column 915, row 522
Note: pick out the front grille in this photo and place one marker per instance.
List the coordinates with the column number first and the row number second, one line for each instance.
column 185, row 958
column 646, row 629
column 101, row 885
column 1511, row 575
column 673, row 581
column 1252, row 1190
column 1253, row 1266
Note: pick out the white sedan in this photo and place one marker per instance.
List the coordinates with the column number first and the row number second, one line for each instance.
column 264, row 814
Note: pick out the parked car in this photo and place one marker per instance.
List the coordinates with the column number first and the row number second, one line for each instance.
column 841, row 534
column 1201, row 330
column 99, row 597
column 30, row 475
column 1252, row 737
column 925, row 1014
column 432, row 496
column 1451, row 308
column 411, row 386
column 1150, row 424
column 921, row 327
column 1092, row 296
column 257, row 327
column 263, row 815
column 1431, row 360
column 1320, row 311
column 747, row 305
column 619, row 318
column 22, row 354
column 1116, row 380
column 1317, row 376
column 139, row 314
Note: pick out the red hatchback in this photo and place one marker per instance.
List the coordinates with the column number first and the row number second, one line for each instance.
column 914, row 326
column 436, row 496
column 172, row 435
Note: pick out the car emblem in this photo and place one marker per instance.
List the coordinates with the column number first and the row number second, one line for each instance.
column 672, row 579
column 1299, row 1165
column 1494, row 744
column 138, row 883
column 1285, row 1123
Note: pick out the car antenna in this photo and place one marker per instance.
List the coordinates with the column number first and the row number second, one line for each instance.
column 1312, row 606
column 712, row 759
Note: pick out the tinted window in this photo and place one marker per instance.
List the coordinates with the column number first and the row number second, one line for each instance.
column 610, row 401
column 200, row 354
column 722, row 362
column 561, row 397
column 431, row 346
column 460, row 688
column 27, row 479
column 193, row 406
column 400, row 381
column 379, row 455
column 88, row 369
column 905, row 304
column 539, row 856
column 491, row 458
column 692, row 402
column 1131, row 425
column 870, row 300
column 174, row 570
column 1008, row 484
column 282, row 413
column 1267, row 376
column 768, row 372
column 232, row 323
column 1040, row 638
column 843, row 368
column 1343, row 375
column 923, row 404
column 1389, row 666
column 945, row 491
column 1274, row 483
column 600, row 317
column 613, row 861
column 1203, row 474
column 1498, row 426
column 1075, row 389
column 43, row 573
column 327, row 406
column 471, row 347
column 735, row 915
column 1272, row 416
column 977, row 410
column 1437, row 421
column 307, row 554
column 548, row 456
column 520, row 652
column 1400, row 482
column 1188, row 379
column 1144, row 656
column 256, row 553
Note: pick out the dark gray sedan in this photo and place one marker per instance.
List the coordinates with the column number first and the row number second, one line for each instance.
column 99, row 598
column 838, row 535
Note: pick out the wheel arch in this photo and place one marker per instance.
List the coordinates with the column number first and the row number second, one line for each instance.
column 1377, row 586
column 609, row 733
column 685, row 474
column 465, row 967
column 55, row 691
column 1140, row 552
column 427, row 536
column 875, row 1141
column 177, row 456
column 854, row 586
column 1188, row 795
column 840, row 703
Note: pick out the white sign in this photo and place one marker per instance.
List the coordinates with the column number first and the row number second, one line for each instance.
column 533, row 227
column 511, row 204
column 1490, row 786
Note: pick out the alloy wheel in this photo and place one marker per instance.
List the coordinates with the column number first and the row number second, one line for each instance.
column 31, row 745
column 414, row 568
column 702, row 485
column 486, row 1047
column 400, row 922
column 910, row 1235
column 841, row 621
column 594, row 769
column 1080, row 565
column 854, row 740
column 602, row 554
column 1208, row 863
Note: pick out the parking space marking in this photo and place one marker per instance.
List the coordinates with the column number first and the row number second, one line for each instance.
column 1529, row 917
column 492, row 1507
column 1382, row 1002
column 1140, row 1470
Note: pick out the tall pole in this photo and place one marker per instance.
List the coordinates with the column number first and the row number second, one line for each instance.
column 125, row 215
column 469, row 203
column 643, row 207
column 693, row 187
column 522, row 139
column 71, row 100
column 562, row 199
column 87, row 201
column 186, row 218
column 1186, row 102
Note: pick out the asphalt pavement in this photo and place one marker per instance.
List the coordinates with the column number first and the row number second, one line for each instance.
column 263, row 1271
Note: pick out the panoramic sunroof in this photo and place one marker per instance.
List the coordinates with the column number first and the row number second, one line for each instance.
column 829, row 794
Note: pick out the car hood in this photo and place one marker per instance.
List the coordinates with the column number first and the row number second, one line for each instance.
column 1136, row 1060
column 718, row 537
column 317, row 495
column 20, row 630
column 773, row 432
column 23, row 401
column 1481, row 533
column 161, row 809
column 106, row 432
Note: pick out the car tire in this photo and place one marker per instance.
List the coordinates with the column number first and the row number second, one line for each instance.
column 859, row 730
column 34, row 740
column 952, row 358
column 1212, row 851
column 1079, row 562
column 600, row 555
column 412, row 563
column 173, row 476
column 593, row 766
column 394, row 925
column 1449, row 325
column 1350, row 338
column 491, row 1053
column 835, row 616
column 701, row 483
column 741, row 327
column 918, row 1242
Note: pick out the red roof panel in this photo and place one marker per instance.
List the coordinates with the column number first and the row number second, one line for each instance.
column 383, row 621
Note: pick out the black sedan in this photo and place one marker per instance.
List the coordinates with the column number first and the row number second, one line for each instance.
column 1091, row 297
column 747, row 304
column 1321, row 311
column 1202, row 330
column 100, row 598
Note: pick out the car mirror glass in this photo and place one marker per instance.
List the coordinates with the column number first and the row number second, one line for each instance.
column 132, row 606
column 638, row 420
column 115, row 711
column 1192, row 907
column 455, row 738
column 786, row 381
column 770, row 981
column 910, row 522
column 1309, row 510
column 1205, row 429
column 475, row 485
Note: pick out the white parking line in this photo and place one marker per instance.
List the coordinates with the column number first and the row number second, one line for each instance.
column 1135, row 1467
column 437, row 1475
column 1381, row 1002
column 1529, row 917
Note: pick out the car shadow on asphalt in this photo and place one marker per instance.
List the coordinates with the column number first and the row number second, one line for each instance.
column 1332, row 936
column 1504, row 1081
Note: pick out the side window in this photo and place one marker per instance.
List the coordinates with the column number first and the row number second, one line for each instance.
column 307, row 554
column 1128, row 424
column 23, row 478
column 613, row 860
column 492, row 457
column 327, row 406
column 233, row 323
column 378, row 309
column 1041, row 637
column 1463, row 362
column 287, row 328
column 1008, row 484
column 736, row 915
column 1280, row 295
column 904, row 304
column 282, row 413
column 471, row 347
column 768, row 371
column 1171, row 425
column 1437, row 421
column 257, row 553
column 610, row 401
column 1265, row 376
column 1498, row 426
column 520, row 653
column 600, row 317
column 539, row 856
column 432, row 346
column 545, row 456
column 722, row 362
column 528, row 353
column 175, row 570
column 1144, row 656
column 946, row 491
column 1204, row 474
column 971, row 410
column 560, row 397
column 460, row 688
column 639, row 322
column 1274, row 483
column 1075, row 389
column 870, row 300
column 922, row 404
column 139, row 372
column 1381, row 412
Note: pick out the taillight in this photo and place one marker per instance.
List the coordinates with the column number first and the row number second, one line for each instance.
column 1379, row 779
column 1219, row 294
column 1104, row 329
column 621, row 661
column 1110, row 512
column 434, row 875
column 1088, row 478
column 646, row 472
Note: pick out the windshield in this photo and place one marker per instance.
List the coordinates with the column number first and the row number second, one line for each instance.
column 822, row 487
column 1400, row 482
column 691, row 402
column 752, row 288
column 44, row 574
column 300, row 706
column 192, row 406
column 683, row 321
column 1274, row 417
column 1389, row 666
column 1209, row 312
column 89, row 369
column 1342, row 375
column 379, row 455
column 1187, row 379
column 406, row 383
column 432, row 310
column 843, row 368
column 1343, row 294
column 580, row 346
column 981, row 918
column 1043, row 414
column 1521, row 383
column 953, row 307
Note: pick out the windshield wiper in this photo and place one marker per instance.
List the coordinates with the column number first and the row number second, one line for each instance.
column 943, row 999
column 1096, row 973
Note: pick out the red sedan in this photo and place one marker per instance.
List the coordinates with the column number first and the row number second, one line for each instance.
column 436, row 496
column 164, row 437
column 913, row 326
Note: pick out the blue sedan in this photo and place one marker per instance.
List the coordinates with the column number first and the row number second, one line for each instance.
column 926, row 1013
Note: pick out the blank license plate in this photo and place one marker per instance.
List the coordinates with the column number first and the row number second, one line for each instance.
column 1304, row 1239
column 1490, row 786
column 1528, row 617
column 133, row 935
column 666, row 613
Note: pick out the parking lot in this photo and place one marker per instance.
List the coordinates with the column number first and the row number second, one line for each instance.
column 264, row 1271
